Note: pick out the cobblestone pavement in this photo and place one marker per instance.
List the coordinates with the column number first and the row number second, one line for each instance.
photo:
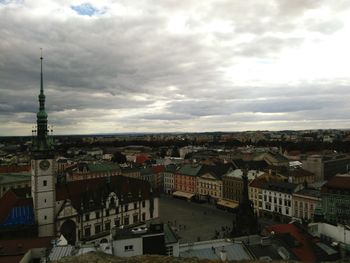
column 194, row 222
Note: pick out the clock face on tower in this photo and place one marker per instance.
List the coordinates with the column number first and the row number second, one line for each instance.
column 44, row 165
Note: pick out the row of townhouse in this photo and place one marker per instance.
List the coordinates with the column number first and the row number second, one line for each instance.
column 203, row 181
column 328, row 203
column 283, row 199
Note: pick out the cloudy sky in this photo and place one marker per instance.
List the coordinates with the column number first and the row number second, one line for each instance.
column 175, row 65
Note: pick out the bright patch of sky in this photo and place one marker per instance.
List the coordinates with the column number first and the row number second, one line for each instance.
column 86, row 9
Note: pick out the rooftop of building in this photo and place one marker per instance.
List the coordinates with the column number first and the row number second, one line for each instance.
column 16, row 207
column 190, row 169
column 8, row 178
column 14, row 168
column 258, row 182
column 120, row 233
column 252, row 165
column 339, row 181
column 97, row 167
column 277, row 156
column 303, row 245
column 87, row 195
column 238, row 173
column 171, row 168
column 212, row 249
column 280, row 186
column 309, row 192
column 299, row 172
column 84, row 195
column 13, row 250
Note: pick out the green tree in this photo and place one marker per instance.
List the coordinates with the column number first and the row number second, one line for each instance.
column 118, row 157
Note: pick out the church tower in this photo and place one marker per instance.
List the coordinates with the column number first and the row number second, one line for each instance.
column 43, row 163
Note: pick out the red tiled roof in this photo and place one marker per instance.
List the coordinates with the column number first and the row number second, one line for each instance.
column 339, row 182
column 158, row 169
column 14, row 168
column 258, row 182
column 142, row 158
column 13, row 250
column 304, row 252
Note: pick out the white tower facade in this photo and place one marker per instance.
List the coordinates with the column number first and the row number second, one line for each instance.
column 44, row 195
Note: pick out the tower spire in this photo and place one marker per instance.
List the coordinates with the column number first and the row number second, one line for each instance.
column 42, row 140
column 41, row 72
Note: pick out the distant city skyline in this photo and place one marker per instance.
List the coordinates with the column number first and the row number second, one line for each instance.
column 175, row 66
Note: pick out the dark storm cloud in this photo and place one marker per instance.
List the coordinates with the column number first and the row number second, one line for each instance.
column 136, row 67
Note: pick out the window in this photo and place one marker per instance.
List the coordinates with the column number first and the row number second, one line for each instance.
column 45, row 217
column 87, row 231
column 143, row 204
column 117, row 222
column 128, row 248
column 143, row 216
column 135, row 205
column 87, row 217
column 107, row 226
column 97, row 229
column 44, row 183
column 135, row 218
column 126, row 207
column 44, row 200
column 97, row 215
column 169, row 251
column 126, row 220
column 107, row 212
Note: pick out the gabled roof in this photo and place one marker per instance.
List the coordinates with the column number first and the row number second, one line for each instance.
column 89, row 194
column 217, row 170
column 190, row 169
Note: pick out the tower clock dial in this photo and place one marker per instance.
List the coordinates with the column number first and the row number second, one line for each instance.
column 44, row 165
